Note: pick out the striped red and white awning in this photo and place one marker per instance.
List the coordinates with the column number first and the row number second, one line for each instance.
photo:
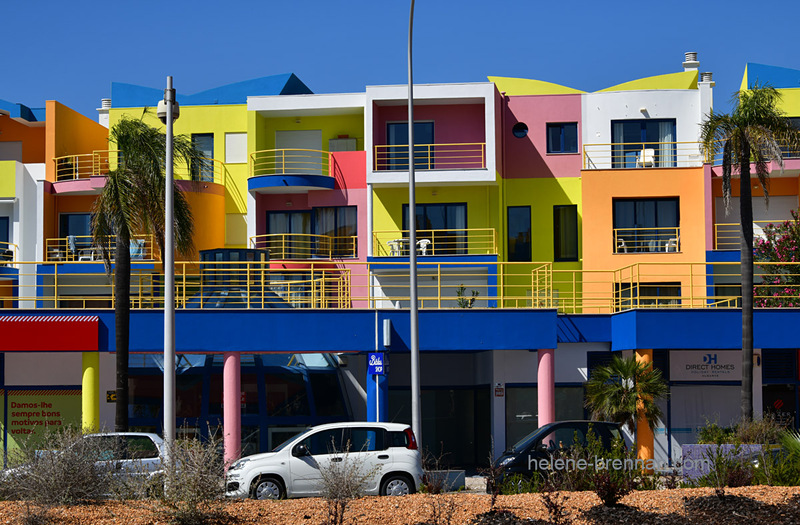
column 49, row 333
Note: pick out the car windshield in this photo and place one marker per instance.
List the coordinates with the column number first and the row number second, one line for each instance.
column 525, row 442
column 290, row 440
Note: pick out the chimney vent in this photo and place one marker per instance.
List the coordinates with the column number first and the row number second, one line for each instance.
column 691, row 63
column 706, row 77
column 105, row 103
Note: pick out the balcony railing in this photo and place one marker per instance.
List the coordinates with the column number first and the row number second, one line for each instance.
column 728, row 236
column 647, row 240
column 638, row 155
column 787, row 152
column 290, row 162
column 306, row 246
column 474, row 241
column 99, row 163
column 262, row 285
column 465, row 156
column 8, row 252
column 82, row 248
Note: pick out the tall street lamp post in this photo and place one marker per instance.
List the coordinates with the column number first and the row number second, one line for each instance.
column 168, row 111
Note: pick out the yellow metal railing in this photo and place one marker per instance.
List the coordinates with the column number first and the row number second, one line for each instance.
column 8, row 252
column 83, row 248
column 647, row 240
column 463, row 156
column 290, row 162
column 728, row 236
column 99, row 163
column 472, row 241
column 264, row 285
column 642, row 155
column 306, row 246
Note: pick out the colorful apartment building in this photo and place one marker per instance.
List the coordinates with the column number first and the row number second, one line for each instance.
column 555, row 227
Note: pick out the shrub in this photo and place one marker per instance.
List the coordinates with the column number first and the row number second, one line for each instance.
column 344, row 479
column 61, row 468
column 193, row 482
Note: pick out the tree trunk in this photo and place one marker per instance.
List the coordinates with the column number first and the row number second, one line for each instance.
column 122, row 321
column 746, row 217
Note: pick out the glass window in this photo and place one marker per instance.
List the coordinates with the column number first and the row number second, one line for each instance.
column 519, row 233
column 445, row 225
column 290, row 231
column 140, row 447
column 647, row 295
column 204, row 170
column 520, row 130
column 340, row 225
column 4, row 231
column 367, row 439
column 646, row 225
column 643, row 143
column 565, row 233
column 562, row 137
column 397, row 140
column 77, row 229
column 324, row 442
column 327, row 394
column 286, row 395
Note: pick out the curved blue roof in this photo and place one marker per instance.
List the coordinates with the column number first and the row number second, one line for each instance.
column 777, row 77
column 133, row 96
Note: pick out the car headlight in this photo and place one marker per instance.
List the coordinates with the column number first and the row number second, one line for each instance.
column 506, row 461
column 239, row 464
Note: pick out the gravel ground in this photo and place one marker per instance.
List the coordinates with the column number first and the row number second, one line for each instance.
column 751, row 505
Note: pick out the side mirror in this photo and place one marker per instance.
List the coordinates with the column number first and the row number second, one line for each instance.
column 300, row 451
column 541, row 447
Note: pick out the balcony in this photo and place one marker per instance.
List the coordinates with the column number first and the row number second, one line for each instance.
column 642, row 155
column 78, row 248
column 647, row 240
column 384, row 284
column 475, row 241
column 728, row 236
column 283, row 246
column 290, row 171
column 427, row 157
column 99, row 163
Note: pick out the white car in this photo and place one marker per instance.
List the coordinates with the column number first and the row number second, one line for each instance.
column 138, row 453
column 387, row 451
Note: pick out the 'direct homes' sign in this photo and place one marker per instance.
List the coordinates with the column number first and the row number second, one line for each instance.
column 705, row 365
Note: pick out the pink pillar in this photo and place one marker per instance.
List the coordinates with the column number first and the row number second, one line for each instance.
column 546, row 386
column 232, row 406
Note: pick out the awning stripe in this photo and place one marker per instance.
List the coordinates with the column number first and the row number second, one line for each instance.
column 48, row 318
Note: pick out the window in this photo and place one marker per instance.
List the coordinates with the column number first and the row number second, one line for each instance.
column 445, row 225
column 519, row 233
column 520, row 130
column 76, row 229
column 646, row 225
column 562, row 137
column 5, row 236
column 397, row 152
column 367, row 439
column 293, row 246
column 565, row 233
column 204, row 170
column 324, row 442
column 643, row 143
column 340, row 225
column 647, row 295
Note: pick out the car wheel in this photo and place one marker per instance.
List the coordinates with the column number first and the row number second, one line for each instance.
column 397, row 485
column 267, row 487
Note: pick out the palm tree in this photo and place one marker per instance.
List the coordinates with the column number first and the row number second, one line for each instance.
column 752, row 133
column 131, row 203
column 626, row 390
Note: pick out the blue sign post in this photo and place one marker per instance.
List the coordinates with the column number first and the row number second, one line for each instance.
column 377, row 369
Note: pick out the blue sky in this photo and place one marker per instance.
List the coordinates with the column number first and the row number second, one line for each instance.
column 72, row 51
